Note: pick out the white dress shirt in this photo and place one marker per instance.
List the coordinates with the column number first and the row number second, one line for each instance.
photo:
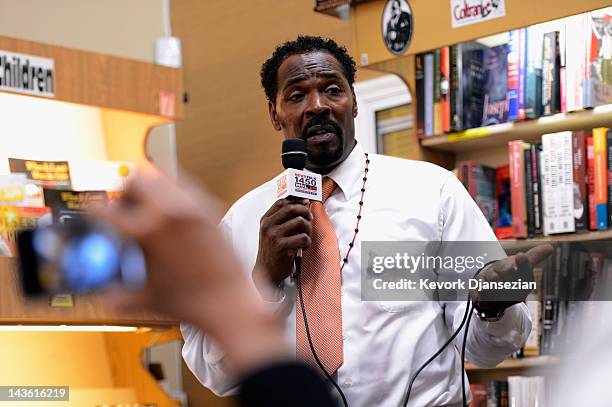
column 385, row 342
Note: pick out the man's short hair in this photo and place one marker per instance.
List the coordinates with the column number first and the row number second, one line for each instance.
column 301, row 45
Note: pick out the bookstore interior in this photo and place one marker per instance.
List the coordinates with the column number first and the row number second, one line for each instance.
column 513, row 96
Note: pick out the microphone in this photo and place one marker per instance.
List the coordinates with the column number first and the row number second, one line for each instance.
column 294, row 182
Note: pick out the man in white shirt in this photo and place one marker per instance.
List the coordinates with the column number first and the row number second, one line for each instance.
column 309, row 86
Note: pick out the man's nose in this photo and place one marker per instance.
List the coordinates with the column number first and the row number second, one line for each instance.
column 316, row 105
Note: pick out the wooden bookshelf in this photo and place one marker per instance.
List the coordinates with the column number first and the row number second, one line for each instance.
column 528, row 130
column 524, row 244
column 523, row 363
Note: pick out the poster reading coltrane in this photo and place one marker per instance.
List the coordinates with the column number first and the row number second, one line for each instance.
column 67, row 205
column 52, row 174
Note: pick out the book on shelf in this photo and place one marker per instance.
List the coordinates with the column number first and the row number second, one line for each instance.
column 503, row 227
column 495, row 99
column 533, row 74
column 557, row 183
column 445, row 90
column 472, row 83
column 479, row 180
column 598, row 75
column 513, row 74
column 580, row 180
column 526, row 391
column 516, row 162
column 456, row 90
column 551, row 102
column 600, row 177
column 428, row 64
column 437, row 95
column 591, row 183
column 419, row 67
column 479, row 395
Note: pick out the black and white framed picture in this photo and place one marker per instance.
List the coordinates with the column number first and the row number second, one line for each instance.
column 397, row 26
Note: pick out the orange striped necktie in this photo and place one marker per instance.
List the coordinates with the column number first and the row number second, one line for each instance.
column 321, row 283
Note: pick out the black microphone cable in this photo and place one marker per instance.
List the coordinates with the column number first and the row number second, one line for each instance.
column 298, row 281
column 467, row 317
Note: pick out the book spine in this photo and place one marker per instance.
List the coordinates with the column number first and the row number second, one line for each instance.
column 591, row 183
column 556, row 101
column 580, row 180
column 473, row 88
column 420, row 94
column 522, row 72
column 445, row 89
column 600, row 177
column 529, row 193
column 456, row 88
column 503, row 224
column 587, row 93
column 558, row 190
column 513, row 75
column 429, row 93
column 609, row 174
column 562, row 70
column 516, row 162
column 533, row 81
column 550, row 74
column 536, row 149
column 437, row 96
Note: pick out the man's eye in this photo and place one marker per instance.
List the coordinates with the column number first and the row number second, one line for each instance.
column 296, row 96
column 333, row 90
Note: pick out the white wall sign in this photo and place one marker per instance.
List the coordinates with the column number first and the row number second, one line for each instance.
column 466, row 12
column 27, row 74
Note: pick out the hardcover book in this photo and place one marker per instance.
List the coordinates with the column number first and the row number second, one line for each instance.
column 551, row 101
column 513, row 74
column 472, row 88
column 533, row 74
column 503, row 228
column 516, row 162
column 557, row 183
column 598, row 86
column 456, row 95
column 495, row 102
column 600, row 177
column 580, row 180
column 445, row 90
column 420, row 94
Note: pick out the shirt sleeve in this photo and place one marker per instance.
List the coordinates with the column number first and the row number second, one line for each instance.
column 488, row 343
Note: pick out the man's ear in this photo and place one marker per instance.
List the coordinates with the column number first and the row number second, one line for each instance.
column 354, row 104
column 273, row 116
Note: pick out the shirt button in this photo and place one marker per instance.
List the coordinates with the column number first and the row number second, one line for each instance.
column 348, row 382
column 342, row 292
column 345, row 337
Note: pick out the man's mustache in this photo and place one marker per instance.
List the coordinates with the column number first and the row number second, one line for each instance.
column 320, row 121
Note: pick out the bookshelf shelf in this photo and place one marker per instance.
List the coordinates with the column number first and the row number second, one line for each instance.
column 527, row 130
column 528, row 362
column 520, row 244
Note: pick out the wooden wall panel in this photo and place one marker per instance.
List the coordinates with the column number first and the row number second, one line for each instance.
column 100, row 80
column 226, row 139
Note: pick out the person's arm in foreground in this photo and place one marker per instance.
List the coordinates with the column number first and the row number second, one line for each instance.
column 194, row 276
